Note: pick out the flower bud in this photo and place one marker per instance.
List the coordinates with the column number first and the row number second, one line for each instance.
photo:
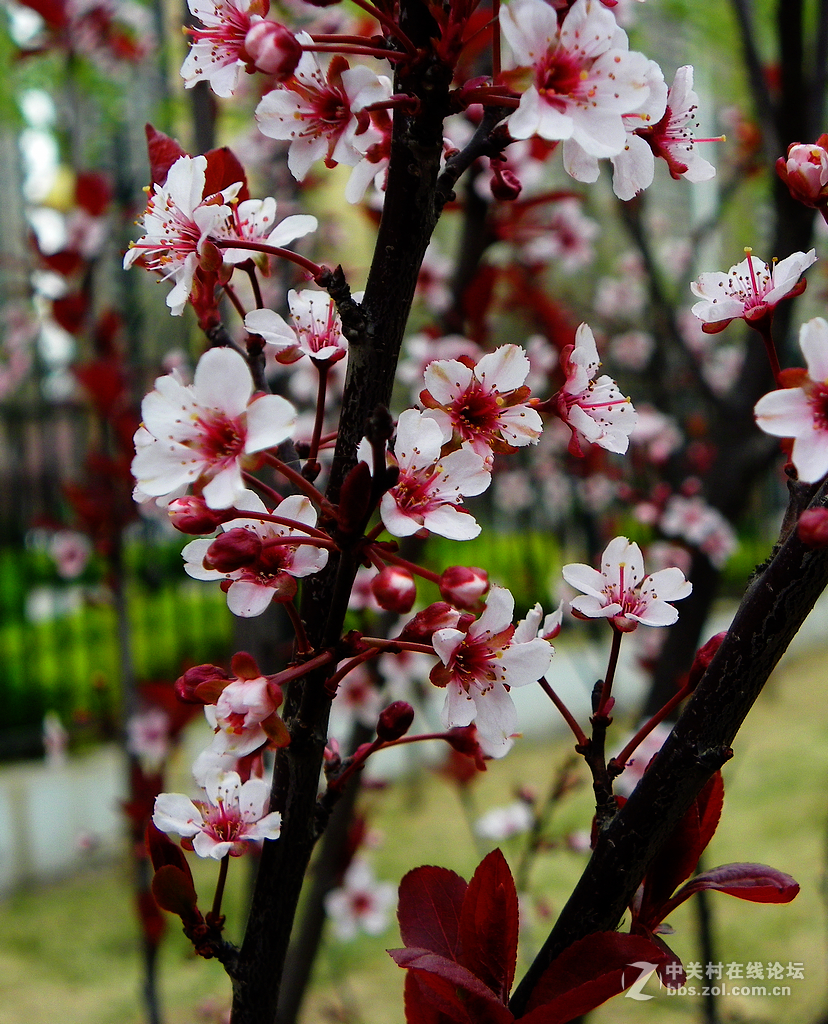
column 464, row 740
column 704, row 655
column 191, row 515
column 813, row 527
column 395, row 721
column 504, row 184
column 272, row 49
column 805, row 172
column 197, row 684
column 463, row 586
column 395, row 589
column 233, row 550
column 439, row 615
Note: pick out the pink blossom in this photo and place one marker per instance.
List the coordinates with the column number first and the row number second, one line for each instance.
column 357, row 700
column 805, row 172
column 205, row 431
column 802, row 412
column 361, row 903
column 315, row 330
column 592, row 408
column 672, row 137
column 431, row 487
column 421, row 349
column 483, row 404
column 502, row 823
column 254, row 221
column 479, row 667
column 176, row 223
column 634, row 165
column 217, row 51
column 273, row 573
column 701, row 526
column 148, row 736
column 640, row 758
column 232, row 816
column 584, row 78
column 748, row 291
column 71, row 551
column 320, row 112
column 622, row 593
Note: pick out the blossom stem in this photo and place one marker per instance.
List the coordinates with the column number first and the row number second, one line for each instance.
column 230, row 292
column 322, row 368
column 317, row 542
column 249, row 267
column 392, row 559
column 313, row 269
column 617, row 764
column 222, row 878
column 401, row 101
column 332, row 684
column 763, row 326
column 274, row 495
column 606, row 691
column 490, row 95
column 297, row 671
column 389, row 23
column 577, row 731
column 270, row 517
column 301, row 483
column 302, row 644
column 395, row 646
column 361, row 51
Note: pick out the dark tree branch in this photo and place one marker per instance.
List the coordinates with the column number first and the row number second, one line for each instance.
column 772, row 610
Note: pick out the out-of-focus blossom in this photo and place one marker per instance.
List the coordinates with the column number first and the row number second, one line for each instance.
column 361, row 903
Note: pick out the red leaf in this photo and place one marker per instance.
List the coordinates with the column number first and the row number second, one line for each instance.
column 70, row 311
column 93, row 192
column 418, row 1010
column 224, row 169
column 588, row 973
column 679, row 856
column 450, row 988
column 429, row 909
column 163, row 851
column 754, row 882
column 489, row 925
column 163, row 152
column 173, row 891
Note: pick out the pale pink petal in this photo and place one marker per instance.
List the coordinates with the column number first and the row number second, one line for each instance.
column 248, row 599
column 222, row 381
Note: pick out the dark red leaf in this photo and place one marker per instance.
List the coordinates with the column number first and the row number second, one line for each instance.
column 489, row 924
column 224, row 169
column 173, row 891
column 70, row 311
column 429, row 909
column 680, row 854
column 163, row 850
column 66, row 262
column 163, row 152
column 418, row 1010
column 451, row 989
column 93, row 192
column 757, row 883
column 588, row 973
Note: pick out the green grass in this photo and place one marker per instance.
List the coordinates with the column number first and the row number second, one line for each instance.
column 67, row 952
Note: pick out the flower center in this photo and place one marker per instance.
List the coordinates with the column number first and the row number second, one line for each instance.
column 559, row 78
column 221, row 439
column 818, row 399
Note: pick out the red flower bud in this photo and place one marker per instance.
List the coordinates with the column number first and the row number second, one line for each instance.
column 191, row 515
column 464, row 740
column 704, row 655
column 504, row 184
column 805, row 172
column 272, row 49
column 464, row 586
column 195, row 686
column 233, row 550
column 439, row 615
column 395, row 589
column 395, row 721
column 813, row 527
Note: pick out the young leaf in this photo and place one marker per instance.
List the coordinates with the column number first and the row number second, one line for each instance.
column 754, row 882
column 452, row 989
column 588, row 973
column 429, row 909
column 173, row 891
column 489, row 925
column 163, row 152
